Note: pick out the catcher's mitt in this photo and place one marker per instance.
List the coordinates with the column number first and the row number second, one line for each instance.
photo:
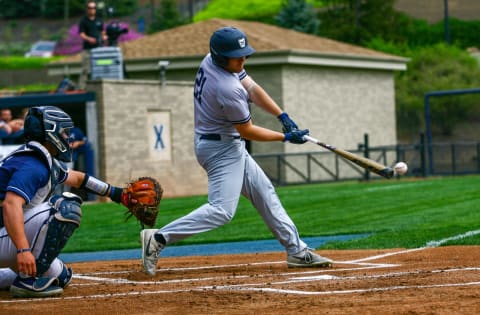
column 142, row 198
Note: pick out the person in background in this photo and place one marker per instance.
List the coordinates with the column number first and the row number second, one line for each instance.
column 82, row 155
column 12, row 129
column 93, row 34
column 5, row 131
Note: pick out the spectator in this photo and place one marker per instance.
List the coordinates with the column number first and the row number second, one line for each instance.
column 92, row 32
column 5, row 131
column 81, row 148
column 82, row 157
column 12, row 129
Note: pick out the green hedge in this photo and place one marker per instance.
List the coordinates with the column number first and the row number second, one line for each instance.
column 16, row 62
column 251, row 10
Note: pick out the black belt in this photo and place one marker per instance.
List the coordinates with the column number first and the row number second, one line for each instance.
column 217, row 137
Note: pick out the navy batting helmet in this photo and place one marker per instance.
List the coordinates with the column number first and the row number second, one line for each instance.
column 229, row 42
column 50, row 123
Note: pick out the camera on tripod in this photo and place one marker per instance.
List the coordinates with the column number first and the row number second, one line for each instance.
column 114, row 30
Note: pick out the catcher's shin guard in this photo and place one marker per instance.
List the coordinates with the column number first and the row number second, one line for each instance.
column 66, row 218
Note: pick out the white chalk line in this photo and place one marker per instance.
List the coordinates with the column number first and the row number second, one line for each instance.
column 385, row 255
column 243, row 265
column 357, row 261
column 453, row 238
column 392, row 288
column 254, row 287
column 169, row 269
column 121, row 281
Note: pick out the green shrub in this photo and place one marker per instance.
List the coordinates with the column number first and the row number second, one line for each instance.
column 166, row 17
column 399, row 49
column 436, row 68
column 298, row 15
column 38, row 87
column 14, row 48
column 254, row 10
column 13, row 62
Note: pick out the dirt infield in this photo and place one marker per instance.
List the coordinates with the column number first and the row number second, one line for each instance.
column 443, row 280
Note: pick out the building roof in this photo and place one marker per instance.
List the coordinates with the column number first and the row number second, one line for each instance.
column 193, row 40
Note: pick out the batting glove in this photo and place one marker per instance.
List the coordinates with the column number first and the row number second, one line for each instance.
column 288, row 124
column 296, row 136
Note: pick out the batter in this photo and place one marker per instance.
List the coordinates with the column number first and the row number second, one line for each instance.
column 222, row 93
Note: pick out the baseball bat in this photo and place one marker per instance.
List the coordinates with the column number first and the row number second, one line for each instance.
column 361, row 161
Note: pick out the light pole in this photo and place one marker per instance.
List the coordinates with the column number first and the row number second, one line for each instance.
column 447, row 26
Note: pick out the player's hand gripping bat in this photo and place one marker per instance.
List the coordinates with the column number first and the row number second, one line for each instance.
column 361, row 161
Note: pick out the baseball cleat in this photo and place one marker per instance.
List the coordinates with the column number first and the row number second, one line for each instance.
column 307, row 258
column 33, row 287
column 150, row 250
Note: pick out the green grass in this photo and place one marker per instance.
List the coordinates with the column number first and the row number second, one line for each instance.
column 253, row 10
column 20, row 62
column 398, row 213
column 37, row 87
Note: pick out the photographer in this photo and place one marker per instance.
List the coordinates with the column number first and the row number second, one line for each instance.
column 93, row 35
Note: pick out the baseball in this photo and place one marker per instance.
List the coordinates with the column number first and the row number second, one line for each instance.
column 400, row 168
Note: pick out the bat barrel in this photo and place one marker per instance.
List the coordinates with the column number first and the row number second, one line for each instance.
column 387, row 172
column 366, row 163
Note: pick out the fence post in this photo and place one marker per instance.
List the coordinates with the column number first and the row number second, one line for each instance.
column 366, row 153
column 454, row 156
column 422, row 155
column 279, row 172
column 478, row 157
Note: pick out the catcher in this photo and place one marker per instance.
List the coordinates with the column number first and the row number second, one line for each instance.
column 34, row 225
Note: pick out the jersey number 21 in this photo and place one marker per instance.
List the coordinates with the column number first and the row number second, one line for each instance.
column 199, row 83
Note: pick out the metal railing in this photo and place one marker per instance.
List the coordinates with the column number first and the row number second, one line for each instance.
column 460, row 158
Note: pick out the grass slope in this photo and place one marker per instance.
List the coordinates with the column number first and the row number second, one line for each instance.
column 399, row 213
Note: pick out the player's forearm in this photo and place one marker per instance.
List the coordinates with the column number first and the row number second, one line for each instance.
column 13, row 220
column 93, row 185
column 257, row 133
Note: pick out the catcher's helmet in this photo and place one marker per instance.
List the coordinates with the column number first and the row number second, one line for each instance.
column 50, row 123
column 229, row 42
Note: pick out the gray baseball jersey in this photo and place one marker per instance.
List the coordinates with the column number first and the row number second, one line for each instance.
column 221, row 102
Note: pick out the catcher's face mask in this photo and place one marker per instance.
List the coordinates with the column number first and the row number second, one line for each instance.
column 53, row 125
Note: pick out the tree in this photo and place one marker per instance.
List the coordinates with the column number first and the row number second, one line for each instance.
column 166, row 17
column 359, row 21
column 298, row 15
column 436, row 68
column 19, row 8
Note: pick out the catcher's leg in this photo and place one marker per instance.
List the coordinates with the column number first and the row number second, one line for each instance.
column 7, row 276
column 56, row 232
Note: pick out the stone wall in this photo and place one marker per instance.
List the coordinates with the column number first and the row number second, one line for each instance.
column 145, row 128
